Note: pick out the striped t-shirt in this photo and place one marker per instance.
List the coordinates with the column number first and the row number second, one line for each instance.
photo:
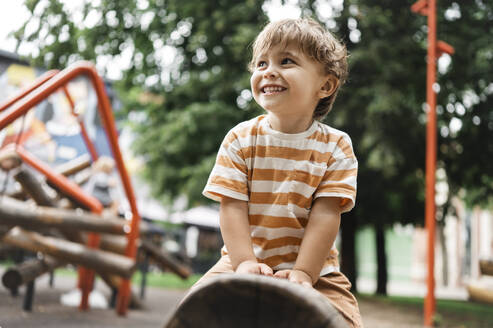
column 280, row 175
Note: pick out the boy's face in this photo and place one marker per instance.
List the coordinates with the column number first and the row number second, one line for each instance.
column 285, row 81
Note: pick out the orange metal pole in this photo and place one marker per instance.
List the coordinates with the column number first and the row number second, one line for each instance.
column 38, row 82
column 111, row 132
column 83, row 131
column 86, row 276
column 431, row 154
column 60, row 181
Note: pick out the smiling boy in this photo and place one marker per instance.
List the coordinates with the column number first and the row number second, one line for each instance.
column 284, row 178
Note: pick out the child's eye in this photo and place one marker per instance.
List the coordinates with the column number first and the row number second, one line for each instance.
column 261, row 64
column 287, row 61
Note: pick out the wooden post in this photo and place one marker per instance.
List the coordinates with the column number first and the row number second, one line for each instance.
column 236, row 300
column 9, row 158
column 13, row 212
column 33, row 188
column 486, row 266
column 95, row 259
column 74, row 166
column 164, row 260
column 18, row 275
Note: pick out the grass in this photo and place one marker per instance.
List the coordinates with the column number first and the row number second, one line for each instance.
column 166, row 280
column 154, row 279
column 449, row 313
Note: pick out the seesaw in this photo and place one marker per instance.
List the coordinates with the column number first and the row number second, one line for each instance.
column 234, row 300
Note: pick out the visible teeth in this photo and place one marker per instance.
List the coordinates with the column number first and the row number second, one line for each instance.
column 273, row 89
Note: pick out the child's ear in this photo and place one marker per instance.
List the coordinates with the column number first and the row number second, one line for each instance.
column 329, row 87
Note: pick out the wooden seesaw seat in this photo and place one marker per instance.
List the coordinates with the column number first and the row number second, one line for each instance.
column 482, row 290
column 234, row 300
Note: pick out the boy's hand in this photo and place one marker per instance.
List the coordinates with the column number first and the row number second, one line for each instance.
column 255, row 268
column 296, row 276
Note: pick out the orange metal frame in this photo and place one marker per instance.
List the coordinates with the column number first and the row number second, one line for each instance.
column 44, row 86
column 435, row 49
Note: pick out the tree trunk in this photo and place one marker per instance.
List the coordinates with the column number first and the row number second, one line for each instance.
column 443, row 243
column 382, row 276
column 348, row 253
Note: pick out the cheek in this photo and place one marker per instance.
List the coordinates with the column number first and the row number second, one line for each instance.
column 254, row 81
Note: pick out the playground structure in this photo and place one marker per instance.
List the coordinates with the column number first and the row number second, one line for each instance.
column 54, row 216
column 482, row 289
column 435, row 50
column 235, row 300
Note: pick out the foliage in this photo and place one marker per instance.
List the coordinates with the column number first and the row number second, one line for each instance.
column 193, row 54
column 383, row 104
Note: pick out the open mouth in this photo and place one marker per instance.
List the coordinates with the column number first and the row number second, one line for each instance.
column 272, row 89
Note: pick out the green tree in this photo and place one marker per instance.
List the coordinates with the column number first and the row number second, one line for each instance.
column 382, row 108
column 192, row 53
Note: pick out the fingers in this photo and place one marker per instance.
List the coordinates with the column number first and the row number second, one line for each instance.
column 254, row 268
column 265, row 270
column 306, row 284
column 283, row 274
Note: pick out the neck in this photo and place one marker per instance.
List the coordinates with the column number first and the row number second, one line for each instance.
column 289, row 124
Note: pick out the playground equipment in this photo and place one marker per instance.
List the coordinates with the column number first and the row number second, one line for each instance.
column 435, row 50
column 235, row 300
column 66, row 224
column 482, row 289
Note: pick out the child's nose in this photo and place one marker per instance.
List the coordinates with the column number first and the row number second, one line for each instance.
column 270, row 72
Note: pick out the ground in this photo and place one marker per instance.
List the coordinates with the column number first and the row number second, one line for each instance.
column 48, row 312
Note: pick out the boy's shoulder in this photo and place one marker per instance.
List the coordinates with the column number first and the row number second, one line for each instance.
column 329, row 134
column 247, row 128
column 253, row 123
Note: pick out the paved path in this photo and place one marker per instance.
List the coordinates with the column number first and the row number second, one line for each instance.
column 48, row 312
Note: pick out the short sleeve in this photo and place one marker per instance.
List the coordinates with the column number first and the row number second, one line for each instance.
column 339, row 179
column 229, row 175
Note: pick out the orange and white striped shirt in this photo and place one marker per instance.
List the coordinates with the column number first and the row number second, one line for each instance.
column 280, row 175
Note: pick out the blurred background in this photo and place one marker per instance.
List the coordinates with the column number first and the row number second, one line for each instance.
column 176, row 73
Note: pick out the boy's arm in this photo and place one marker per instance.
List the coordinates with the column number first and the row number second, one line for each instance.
column 235, row 230
column 320, row 234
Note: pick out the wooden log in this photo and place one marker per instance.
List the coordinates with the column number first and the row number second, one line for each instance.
column 13, row 212
column 480, row 291
column 74, row 166
column 114, row 283
column 98, row 260
column 82, row 177
column 234, row 300
column 486, row 266
column 9, row 158
column 20, row 274
column 164, row 260
column 33, row 188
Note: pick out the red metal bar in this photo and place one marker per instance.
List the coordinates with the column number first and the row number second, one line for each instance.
column 83, row 131
column 435, row 49
column 86, row 276
column 36, row 83
column 60, row 181
column 105, row 111
column 431, row 155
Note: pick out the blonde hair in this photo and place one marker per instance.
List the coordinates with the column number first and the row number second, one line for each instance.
column 315, row 42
